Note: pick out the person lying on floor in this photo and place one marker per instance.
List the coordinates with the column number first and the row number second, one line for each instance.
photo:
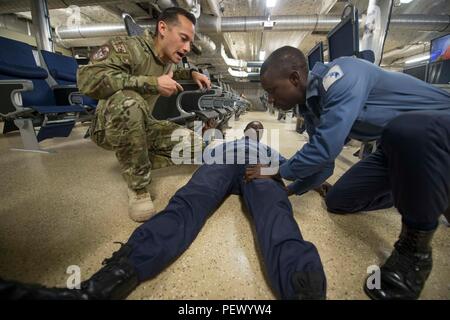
column 293, row 265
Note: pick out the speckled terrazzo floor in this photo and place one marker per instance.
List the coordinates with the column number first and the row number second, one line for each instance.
column 69, row 207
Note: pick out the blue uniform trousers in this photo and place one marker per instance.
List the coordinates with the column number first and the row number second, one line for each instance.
column 410, row 169
column 160, row 240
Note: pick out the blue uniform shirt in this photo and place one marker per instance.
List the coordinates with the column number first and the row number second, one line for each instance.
column 351, row 97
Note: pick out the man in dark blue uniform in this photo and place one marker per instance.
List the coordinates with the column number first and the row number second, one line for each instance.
column 293, row 265
column 411, row 169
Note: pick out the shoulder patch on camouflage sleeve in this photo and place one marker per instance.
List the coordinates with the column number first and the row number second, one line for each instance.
column 119, row 46
column 101, row 54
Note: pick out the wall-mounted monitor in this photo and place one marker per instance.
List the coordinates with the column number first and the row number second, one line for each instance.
column 315, row 55
column 343, row 39
column 440, row 49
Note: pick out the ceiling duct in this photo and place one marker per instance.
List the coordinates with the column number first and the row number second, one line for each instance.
column 210, row 24
column 91, row 31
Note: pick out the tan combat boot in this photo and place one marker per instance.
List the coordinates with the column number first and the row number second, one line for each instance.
column 140, row 205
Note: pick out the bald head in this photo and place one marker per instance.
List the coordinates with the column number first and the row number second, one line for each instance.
column 283, row 61
column 257, row 125
column 254, row 130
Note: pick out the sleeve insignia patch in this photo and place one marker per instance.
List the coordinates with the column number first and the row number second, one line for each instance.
column 119, row 47
column 101, row 53
column 333, row 75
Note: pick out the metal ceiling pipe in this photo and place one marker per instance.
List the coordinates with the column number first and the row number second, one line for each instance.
column 99, row 34
column 210, row 24
column 91, row 31
column 440, row 23
column 278, row 23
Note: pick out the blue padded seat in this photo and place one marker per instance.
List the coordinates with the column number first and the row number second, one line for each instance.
column 17, row 62
column 62, row 68
column 18, row 71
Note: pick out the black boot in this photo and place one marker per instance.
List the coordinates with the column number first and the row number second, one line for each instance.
column 404, row 273
column 310, row 285
column 13, row 290
column 116, row 280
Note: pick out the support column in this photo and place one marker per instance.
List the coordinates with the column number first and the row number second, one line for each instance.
column 376, row 27
column 41, row 25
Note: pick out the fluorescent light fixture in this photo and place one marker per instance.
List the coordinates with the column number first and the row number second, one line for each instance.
column 262, row 55
column 406, row 1
column 417, row 59
column 237, row 73
column 271, row 3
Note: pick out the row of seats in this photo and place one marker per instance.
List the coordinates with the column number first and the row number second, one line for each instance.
column 193, row 104
column 39, row 97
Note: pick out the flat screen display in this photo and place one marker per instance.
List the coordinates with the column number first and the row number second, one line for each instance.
column 315, row 55
column 440, row 49
column 341, row 41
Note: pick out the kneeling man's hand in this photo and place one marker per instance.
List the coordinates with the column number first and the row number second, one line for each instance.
column 261, row 171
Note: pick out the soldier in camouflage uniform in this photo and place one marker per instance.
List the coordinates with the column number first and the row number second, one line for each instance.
column 127, row 75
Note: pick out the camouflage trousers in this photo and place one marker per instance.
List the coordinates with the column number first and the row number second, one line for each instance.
column 123, row 123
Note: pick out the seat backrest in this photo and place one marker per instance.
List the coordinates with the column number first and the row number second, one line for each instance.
column 166, row 108
column 62, row 68
column 17, row 53
column 17, row 62
column 133, row 29
column 367, row 55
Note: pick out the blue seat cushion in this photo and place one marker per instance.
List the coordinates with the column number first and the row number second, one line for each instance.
column 22, row 72
column 61, row 75
column 57, row 109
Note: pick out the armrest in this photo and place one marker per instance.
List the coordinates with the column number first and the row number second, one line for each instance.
column 11, row 97
column 76, row 97
column 64, row 86
column 178, row 102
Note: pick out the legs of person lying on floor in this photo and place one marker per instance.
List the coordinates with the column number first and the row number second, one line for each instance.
column 364, row 187
column 154, row 244
column 164, row 237
column 286, row 255
column 417, row 149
